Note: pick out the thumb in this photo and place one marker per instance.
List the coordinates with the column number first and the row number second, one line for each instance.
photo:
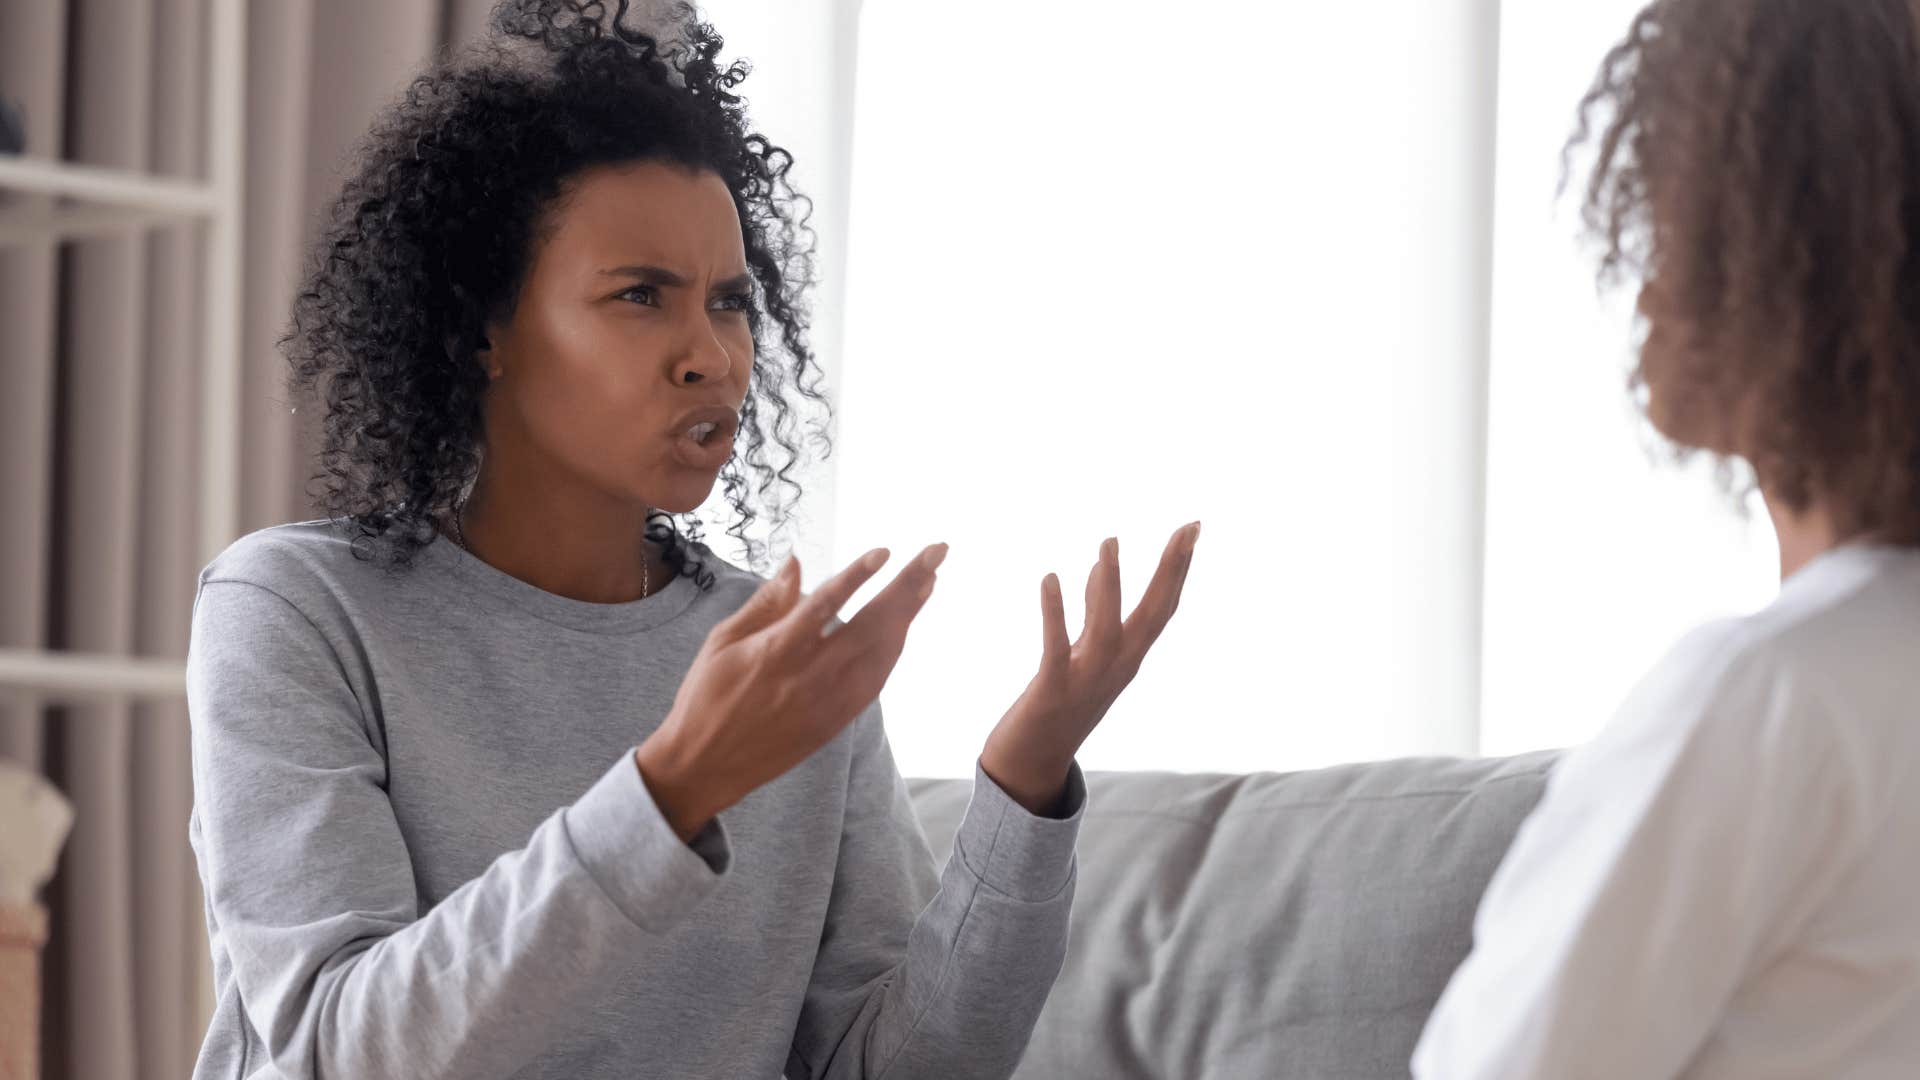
column 768, row 603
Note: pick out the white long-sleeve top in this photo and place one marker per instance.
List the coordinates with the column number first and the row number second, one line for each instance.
column 1726, row 882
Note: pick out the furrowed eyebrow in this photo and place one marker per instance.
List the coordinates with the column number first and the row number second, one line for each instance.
column 661, row 276
column 649, row 275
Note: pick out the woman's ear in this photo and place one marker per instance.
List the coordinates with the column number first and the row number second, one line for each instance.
column 483, row 354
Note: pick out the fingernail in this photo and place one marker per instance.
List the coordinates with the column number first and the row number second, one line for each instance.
column 1193, row 535
column 875, row 558
column 1110, row 549
column 934, row 557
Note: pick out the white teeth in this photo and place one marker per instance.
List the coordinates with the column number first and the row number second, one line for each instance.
column 700, row 431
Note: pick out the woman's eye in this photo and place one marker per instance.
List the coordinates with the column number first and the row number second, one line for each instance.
column 736, row 302
column 648, row 296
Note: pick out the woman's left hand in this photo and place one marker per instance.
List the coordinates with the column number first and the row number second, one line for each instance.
column 1031, row 750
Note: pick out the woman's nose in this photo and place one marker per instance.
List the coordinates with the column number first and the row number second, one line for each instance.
column 705, row 357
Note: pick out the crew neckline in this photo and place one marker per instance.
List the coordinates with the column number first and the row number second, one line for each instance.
column 1847, row 558
column 503, row 591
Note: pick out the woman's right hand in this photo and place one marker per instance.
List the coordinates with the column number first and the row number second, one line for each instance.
column 770, row 686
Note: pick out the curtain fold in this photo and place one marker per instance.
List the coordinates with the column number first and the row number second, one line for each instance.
column 100, row 374
column 167, row 928
column 100, row 341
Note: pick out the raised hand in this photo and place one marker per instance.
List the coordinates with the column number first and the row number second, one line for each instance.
column 1032, row 748
column 771, row 685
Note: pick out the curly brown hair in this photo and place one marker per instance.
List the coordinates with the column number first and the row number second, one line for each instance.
column 1757, row 172
column 432, row 232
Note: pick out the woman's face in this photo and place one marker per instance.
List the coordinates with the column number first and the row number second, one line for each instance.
column 633, row 313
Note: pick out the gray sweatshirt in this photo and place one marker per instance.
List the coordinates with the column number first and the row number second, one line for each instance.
column 427, row 851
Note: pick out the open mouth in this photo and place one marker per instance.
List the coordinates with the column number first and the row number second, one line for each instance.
column 705, row 445
column 706, row 442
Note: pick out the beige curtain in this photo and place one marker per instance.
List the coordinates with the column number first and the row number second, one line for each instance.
column 99, row 449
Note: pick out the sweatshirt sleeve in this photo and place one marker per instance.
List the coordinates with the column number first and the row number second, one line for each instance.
column 924, row 976
column 1671, row 858
column 311, row 888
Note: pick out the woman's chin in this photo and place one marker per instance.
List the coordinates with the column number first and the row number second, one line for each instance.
column 682, row 497
column 674, row 486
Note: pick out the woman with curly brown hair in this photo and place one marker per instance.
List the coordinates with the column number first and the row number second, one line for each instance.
column 495, row 774
column 1724, row 883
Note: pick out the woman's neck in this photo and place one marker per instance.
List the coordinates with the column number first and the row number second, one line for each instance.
column 1803, row 534
column 600, row 558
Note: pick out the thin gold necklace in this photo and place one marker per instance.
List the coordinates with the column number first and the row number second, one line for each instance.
column 460, row 537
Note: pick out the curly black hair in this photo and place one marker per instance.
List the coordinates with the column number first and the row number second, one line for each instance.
column 432, row 235
column 1757, row 169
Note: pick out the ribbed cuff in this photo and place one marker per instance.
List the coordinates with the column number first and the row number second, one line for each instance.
column 1013, row 851
column 625, row 843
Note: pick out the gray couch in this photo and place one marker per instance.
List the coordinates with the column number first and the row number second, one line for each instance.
column 1268, row 924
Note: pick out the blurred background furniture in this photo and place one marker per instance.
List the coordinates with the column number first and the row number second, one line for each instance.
column 1267, row 924
column 36, row 819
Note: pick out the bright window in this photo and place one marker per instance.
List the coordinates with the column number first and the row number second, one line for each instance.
column 1111, row 271
column 1106, row 272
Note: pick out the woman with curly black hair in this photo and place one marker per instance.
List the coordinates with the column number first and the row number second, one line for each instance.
column 496, row 774
column 1724, row 883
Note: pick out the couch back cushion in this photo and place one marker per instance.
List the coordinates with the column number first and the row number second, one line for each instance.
column 1266, row 924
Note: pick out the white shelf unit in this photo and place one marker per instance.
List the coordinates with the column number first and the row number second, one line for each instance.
column 106, row 201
